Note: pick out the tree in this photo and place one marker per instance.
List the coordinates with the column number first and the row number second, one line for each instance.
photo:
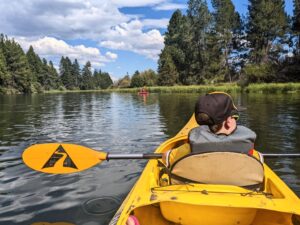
column 54, row 81
column 227, row 22
column 18, row 66
column 149, row 77
column 4, row 74
column 105, row 81
column 35, row 64
column 67, row 78
column 201, row 19
column 168, row 73
column 124, row 82
column 137, row 80
column 87, row 79
column 296, row 20
column 266, row 22
column 75, row 71
column 178, row 44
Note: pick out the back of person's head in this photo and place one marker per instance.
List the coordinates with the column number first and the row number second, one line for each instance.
column 213, row 109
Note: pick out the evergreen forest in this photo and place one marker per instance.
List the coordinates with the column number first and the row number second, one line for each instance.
column 202, row 46
column 22, row 72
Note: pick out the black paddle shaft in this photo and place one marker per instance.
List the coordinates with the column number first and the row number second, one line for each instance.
column 283, row 155
column 134, row 156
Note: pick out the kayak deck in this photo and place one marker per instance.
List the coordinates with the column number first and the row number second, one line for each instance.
column 153, row 201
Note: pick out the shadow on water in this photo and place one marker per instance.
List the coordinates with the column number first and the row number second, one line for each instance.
column 118, row 123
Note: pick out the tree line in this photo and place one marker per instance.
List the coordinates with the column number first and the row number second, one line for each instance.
column 205, row 46
column 22, row 72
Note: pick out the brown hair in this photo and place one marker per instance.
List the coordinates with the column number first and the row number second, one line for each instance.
column 204, row 118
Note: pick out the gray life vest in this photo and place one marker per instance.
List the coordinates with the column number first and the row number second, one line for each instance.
column 202, row 140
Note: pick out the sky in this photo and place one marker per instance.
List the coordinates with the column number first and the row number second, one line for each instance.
column 116, row 36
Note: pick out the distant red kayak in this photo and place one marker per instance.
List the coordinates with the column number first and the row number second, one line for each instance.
column 143, row 92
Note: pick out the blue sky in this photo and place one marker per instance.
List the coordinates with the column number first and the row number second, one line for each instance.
column 117, row 36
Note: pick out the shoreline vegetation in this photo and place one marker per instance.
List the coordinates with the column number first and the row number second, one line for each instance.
column 226, row 87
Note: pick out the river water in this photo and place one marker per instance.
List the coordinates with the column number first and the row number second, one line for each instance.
column 116, row 123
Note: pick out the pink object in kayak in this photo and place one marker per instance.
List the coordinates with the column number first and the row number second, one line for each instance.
column 132, row 220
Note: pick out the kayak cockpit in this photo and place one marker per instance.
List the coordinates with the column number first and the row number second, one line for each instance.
column 168, row 213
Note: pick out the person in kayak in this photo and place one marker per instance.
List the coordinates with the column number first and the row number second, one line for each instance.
column 218, row 131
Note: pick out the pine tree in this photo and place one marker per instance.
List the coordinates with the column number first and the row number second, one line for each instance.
column 87, row 79
column 296, row 20
column 54, row 81
column 266, row 22
column 5, row 77
column 17, row 66
column 168, row 74
column 200, row 18
column 35, row 64
column 66, row 75
column 106, row 81
column 76, row 73
column 227, row 22
column 177, row 41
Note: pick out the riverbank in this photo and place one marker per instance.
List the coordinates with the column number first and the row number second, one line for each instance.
column 226, row 87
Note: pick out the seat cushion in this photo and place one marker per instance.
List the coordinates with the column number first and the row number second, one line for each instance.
column 229, row 168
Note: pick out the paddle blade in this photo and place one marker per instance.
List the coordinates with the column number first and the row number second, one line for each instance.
column 61, row 158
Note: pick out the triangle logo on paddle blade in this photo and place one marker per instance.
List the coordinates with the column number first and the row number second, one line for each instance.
column 55, row 159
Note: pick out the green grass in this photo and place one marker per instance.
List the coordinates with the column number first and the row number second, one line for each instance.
column 273, row 88
column 226, row 87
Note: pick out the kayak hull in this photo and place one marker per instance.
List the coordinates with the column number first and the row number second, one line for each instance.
column 153, row 201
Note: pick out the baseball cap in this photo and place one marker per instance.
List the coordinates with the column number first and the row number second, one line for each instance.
column 214, row 108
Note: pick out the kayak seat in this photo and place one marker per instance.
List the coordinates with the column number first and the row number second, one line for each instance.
column 224, row 168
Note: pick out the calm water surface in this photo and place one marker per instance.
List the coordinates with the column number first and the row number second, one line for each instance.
column 117, row 123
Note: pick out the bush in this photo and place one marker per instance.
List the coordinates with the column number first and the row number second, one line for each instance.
column 258, row 73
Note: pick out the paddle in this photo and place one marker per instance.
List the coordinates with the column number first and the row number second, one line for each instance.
column 61, row 158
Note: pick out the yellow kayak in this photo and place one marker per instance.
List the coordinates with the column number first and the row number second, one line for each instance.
column 153, row 201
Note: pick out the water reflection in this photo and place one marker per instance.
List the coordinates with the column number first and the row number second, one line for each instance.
column 126, row 123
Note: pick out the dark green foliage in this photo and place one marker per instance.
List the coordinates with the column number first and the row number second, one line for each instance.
column 150, row 77
column 67, row 76
column 267, row 21
column 258, row 73
column 296, row 18
column 137, row 80
column 4, row 74
column 87, row 78
column 75, row 71
column 102, row 80
column 219, row 46
column 25, row 73
column 20, row 76
column 36, row 65
column 227, row 24
column 200, row 20
column 168, row 74
column 145, row 78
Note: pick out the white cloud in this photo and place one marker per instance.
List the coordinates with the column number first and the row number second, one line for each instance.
column 111, row 55
column 155, row 23
column 129, row 36
column 136, row 3
column 169, row 6
column 38, row 22
column 59, row 18
column 49, row 47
